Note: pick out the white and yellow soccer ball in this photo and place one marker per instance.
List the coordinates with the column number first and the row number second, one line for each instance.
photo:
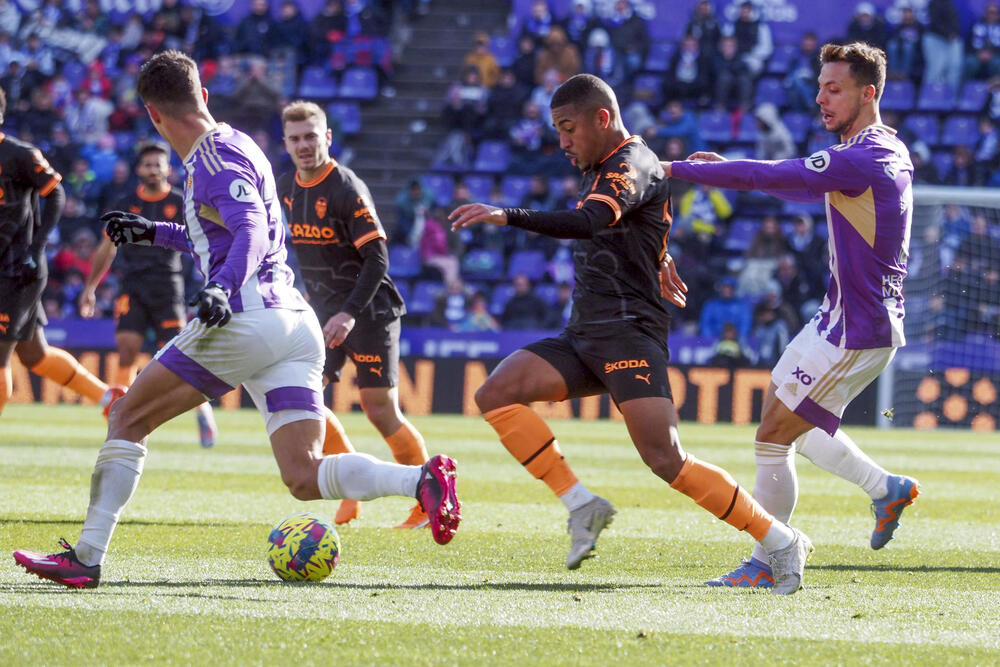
column 303, row 547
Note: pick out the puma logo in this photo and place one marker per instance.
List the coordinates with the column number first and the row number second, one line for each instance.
column 644, row 378
column 377, row 370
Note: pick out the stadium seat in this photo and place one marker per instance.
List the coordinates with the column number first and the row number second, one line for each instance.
column 317, row 83
column 741, row 233
column 942, row 161
column 974, row 96
column 959, row 130
column 716, row 126
column 482, row 264
column 514, row 188
column 648, row 88
column 404, row 261
column 897, row 96
column 529, row 262
column 816, row 209
column 403, row 287
column 547, row 292
column 659, row 56
column 441, row 186
column 925, row 126
column 504, row 49
column 492, row 156
column 359, row 83
column 781, row 59
column 936, row 97
column 425, row 292
column 480, row 186
column 798, row 123
column 746, row 131
column 124, row 141
column 501, row 295
column 348, row 114
column 771, row 90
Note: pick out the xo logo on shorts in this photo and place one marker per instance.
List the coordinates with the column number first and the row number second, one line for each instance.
column 802, row 376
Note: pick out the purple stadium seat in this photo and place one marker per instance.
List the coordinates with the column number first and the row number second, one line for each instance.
column 942, row 161
column 648, row 88
column 974, row 96
column 492, row 156
column 781, row 59
column 504, row 49
column 403, row 287
column 959, row 130
column 482, row 264
column 746, row 131
column 442, row 186
column 936, row 97
column 480, row 186
column 404, row 261
column 659, row 56
column 716, row 126
column 359, row 83
column 501, row 295
column 771, row 90
column 925, row 126
column 348, row 114
column 425, row 292
column 816, row 209
column 529, row 262
column 547, row 292
column 897, row 96
column 514, row 188
column 317, row 83
column 741, row 233
column 798, row 123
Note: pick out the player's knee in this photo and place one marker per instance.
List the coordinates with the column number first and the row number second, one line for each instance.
column 126, row 423
column 381, row 411
column 301, row 484
column 488, row 397
column 665, row 464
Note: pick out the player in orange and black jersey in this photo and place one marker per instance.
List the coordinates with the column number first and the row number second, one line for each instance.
column 152, row 281
column 25, row 180
column 342, row 255
column 616, row 341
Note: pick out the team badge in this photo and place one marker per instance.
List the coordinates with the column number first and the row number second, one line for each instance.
column 321, row 207
column 170, row 210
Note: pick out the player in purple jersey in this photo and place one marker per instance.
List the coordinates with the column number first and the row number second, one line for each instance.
column 252, row 328
column 866, row 183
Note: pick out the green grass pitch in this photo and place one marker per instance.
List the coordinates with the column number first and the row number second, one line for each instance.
column 186, row 580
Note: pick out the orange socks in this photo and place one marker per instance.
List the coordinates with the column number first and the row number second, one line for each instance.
column 714, row 489
column 6, row 386
column 336, row 441
column 58, row 366
column 407, row 445
column 531, row 442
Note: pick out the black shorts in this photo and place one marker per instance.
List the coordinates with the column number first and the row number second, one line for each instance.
column 374, row 347
column 156, row 305
column 21, row 308
column 619, row 358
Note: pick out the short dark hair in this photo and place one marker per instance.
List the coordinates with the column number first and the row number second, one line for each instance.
column 169, row 81
column 152, row 147
column 586, row 92
column 867, row 62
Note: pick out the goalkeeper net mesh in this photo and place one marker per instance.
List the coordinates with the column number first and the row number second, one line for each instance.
column 948, row 375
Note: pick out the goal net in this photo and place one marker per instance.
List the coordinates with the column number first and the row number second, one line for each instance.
column 948, row 375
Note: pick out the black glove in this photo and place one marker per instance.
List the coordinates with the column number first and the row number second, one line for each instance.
column 213, row 305
column 125, row 227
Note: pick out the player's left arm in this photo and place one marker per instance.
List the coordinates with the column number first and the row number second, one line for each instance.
column 47, row 181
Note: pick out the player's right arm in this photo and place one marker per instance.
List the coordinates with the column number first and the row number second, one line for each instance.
column 786, row 195
column 103, row 257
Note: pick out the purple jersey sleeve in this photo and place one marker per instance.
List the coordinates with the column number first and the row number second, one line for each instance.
column 243, row 213
column 171, row 235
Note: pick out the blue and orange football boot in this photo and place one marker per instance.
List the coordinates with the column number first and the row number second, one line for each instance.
column 751, row 573
column 902, row 492
column 62, row 568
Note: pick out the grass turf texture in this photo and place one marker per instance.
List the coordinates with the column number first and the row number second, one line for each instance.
column 186, row 580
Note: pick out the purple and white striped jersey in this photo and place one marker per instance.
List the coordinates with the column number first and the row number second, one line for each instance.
column 232, row 222
column 866, row 183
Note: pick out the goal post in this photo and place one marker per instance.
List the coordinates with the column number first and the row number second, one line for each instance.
column 948, row 374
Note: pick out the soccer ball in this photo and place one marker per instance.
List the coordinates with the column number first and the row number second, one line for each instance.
column 303, row 547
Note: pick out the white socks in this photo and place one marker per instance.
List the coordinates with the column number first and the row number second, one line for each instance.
column 577, row 496
column 116, row 474
column 843, row 458
column 777, row 489
column 364, row 477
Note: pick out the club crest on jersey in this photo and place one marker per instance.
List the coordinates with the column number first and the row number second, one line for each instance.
column 240, row 190
column 818, row 161
column 624, row 364
column 169, row 211
column 135, row 209
column 623, row 181
column 320, row 207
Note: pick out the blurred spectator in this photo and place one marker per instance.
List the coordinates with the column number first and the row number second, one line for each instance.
column 120, row 185
column 600, row 58
column 61, row 150
column 291, row 31
column 943, row 48
column 771, row 328
column 986, row 31
column 10, row 17
column 568, row 196
column 557, row 53
column 753, row 38
column 800, row 82
column 477, row 315
column 542, row 94
column 774, row 141
column 504, row 105
column 579, row 23
column 450, row 306
column 168, row 18
column 867, row 26
column 978, row 252
column 440, row 249
column 43, row 56
column 560, row 268
column 795, row 289
column 412, row 204
column 702, row 209
column 810, row 253
column 525, row 310
column 328, row 27
column 924, row 171
column 960, row 171
column 539, row 22
column 728, row 351
column 255, row 102
column 256, row 31
column 725, row 307
column 704, row 27
column 639, row 119
column 985, row 152
column 526, row 138
column 769, row 242
column 982, row 64
column 560, row 313
column 78, row 255
column 538, row 196
column 483, row 59
column 733, row 80
column 677, row 121
column 82, row 184
column 903, row 48
column 102, row 157
column 364, row 18
column 13, row 85
column 689, row 76
column 629, row 36
column 97, row 82
column 86, row 117
column 524, row 64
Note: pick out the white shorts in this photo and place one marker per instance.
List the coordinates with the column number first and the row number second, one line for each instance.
column 275, row 353
column 816, row 379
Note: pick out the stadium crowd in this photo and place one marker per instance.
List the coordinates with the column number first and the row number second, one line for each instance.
column 753, row 264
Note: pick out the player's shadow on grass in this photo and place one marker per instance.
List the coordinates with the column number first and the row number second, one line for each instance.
column 130, row 522
column 958, row 569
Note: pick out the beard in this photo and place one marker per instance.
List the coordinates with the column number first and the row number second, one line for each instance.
column 841, row 128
